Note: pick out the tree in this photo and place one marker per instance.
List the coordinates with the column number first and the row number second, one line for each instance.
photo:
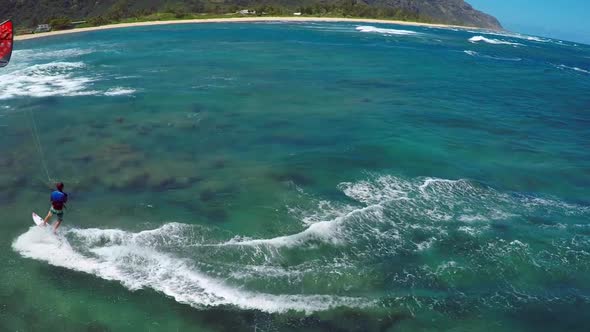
column 60, row 23
column 178, row 9
column 119, row 10
column 98, row 20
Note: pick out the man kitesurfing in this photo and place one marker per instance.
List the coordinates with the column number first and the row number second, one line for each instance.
column 6, row 42
column 58, row 200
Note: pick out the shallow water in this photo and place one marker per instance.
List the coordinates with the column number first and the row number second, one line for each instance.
column 317, row 176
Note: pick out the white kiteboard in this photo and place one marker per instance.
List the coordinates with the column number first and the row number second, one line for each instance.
column 38, row 220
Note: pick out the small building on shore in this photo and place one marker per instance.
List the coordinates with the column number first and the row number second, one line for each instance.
column 42, row 28
column 247, row 12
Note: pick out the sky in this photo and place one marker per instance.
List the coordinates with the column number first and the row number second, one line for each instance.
column 561, row 19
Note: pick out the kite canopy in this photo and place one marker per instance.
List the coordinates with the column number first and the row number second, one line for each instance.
column 6, row 41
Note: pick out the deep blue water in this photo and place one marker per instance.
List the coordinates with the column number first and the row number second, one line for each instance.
column 279, row 176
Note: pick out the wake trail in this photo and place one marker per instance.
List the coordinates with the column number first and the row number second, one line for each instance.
column 127, row 258
column 385, row 216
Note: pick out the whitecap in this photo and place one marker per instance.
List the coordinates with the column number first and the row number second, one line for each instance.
column 577, row 69
column 425, row 245
column 477, row 54
column 476, row 39
column 474, row 218
column 537, row 39
column 377, row 190
column 125, row 77
column 511, row 35
column 119, row 91
column 372, row 29
column 469, row 230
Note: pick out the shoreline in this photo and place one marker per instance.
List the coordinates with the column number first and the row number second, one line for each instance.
column 237, row 19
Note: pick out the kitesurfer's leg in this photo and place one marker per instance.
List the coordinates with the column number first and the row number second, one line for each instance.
column 49, row 214
column 56, row 226
column 60, row 218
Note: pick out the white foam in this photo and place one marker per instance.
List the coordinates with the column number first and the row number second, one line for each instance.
column 476, row 39
column 53, row 79
column 124, row 77
column 133, row 260
column 119, row 91
column 325, row 210
column 450, row 265
column 560, row 206
column 61, row 54
column 29, row 55
column 580, row 70
column 425, row 245
column 468, row 218
column 470, row 230
column 377, row 190
column 257, row 271
column 44, row 80
column 327, row 231
column 477, row 54
column 512, row 35
column 537, row 39
column 372, row 29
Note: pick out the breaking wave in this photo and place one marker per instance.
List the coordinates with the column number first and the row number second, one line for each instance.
column 372, row 29
column 477, row 39
column 514, row 35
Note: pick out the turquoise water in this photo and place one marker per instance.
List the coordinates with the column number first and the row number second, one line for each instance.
column 283, row 177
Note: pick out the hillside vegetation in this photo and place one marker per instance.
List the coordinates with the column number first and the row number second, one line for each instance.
column 29, row 13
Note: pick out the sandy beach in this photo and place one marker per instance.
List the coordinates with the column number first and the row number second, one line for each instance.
column 237, row 19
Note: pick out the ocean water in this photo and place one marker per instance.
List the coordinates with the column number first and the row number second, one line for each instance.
column 286, row 177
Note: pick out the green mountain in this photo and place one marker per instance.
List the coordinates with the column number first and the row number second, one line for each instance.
column 28, row 13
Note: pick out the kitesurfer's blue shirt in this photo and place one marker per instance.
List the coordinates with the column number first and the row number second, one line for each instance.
column 58, row 199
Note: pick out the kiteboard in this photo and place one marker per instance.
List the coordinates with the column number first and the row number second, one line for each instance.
column 37, row 220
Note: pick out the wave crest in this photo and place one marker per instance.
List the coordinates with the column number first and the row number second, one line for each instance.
column 477, row 39
column 372, row 29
